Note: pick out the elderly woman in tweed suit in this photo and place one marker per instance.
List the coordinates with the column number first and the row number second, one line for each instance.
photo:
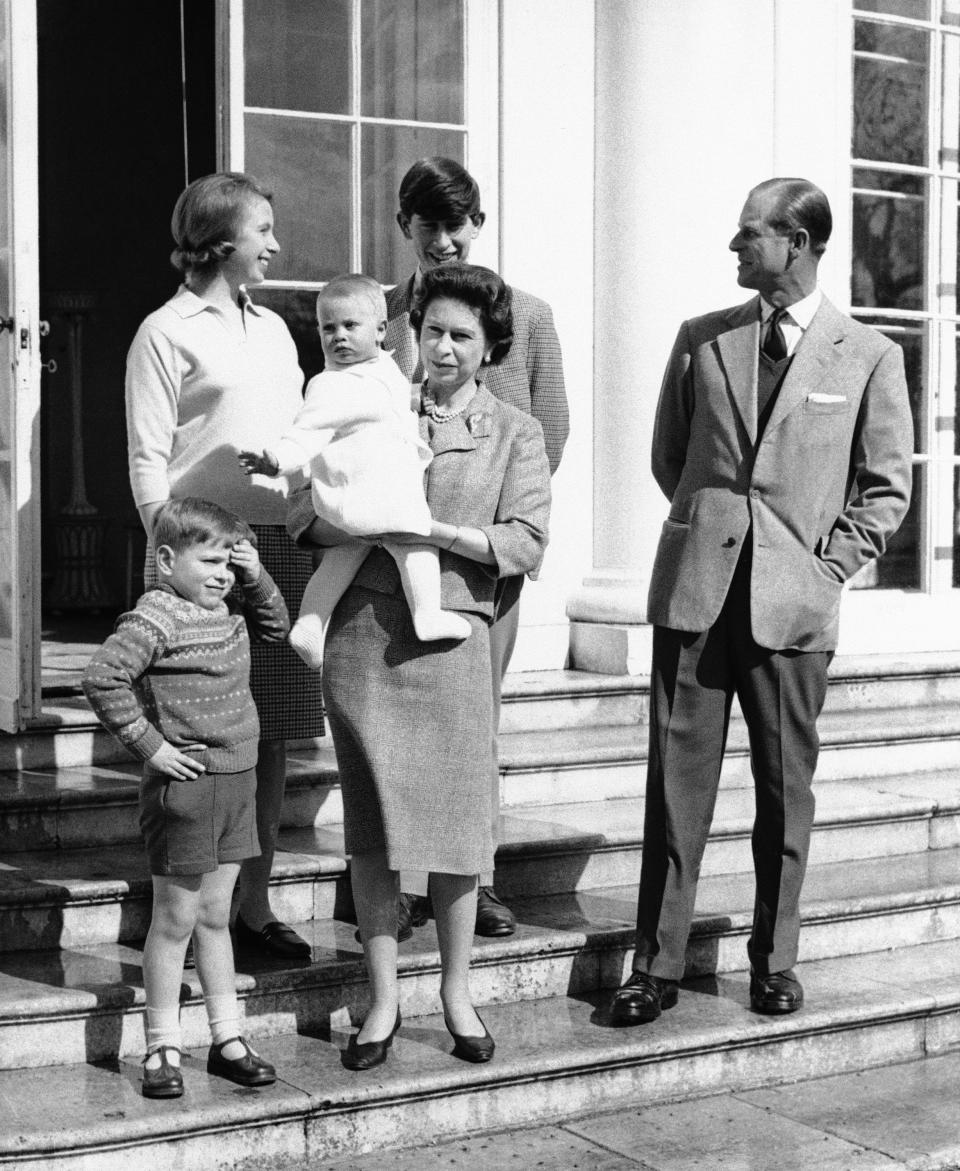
column 412, row 721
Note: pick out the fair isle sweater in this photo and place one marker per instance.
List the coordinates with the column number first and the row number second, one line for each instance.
column 174, row 671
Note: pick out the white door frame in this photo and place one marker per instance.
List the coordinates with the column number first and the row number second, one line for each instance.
column 20, row 366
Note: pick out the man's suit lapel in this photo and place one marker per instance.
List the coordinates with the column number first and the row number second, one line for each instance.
column 815, row 355
column 739, row 346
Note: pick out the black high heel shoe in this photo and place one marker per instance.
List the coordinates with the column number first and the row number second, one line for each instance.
column 367, row 1054
column 475, row 1049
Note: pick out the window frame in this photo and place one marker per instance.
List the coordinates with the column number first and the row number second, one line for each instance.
column 481, row 125
column 937, row 462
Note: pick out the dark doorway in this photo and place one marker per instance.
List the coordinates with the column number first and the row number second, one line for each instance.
column 112, row 162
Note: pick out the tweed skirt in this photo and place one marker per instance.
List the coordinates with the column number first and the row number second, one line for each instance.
column 411, row 724
column 288, row 694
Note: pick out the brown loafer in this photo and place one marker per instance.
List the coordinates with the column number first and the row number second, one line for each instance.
column 166, row 1081
column 493, row 918
column 776, row 993
column 641, row 999
column 248, row 1070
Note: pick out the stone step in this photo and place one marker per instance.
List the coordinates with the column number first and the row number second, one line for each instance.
column 555, row 1058
column 79, row 897
column 871, row 699
column 86, row 1002
column 901, row 1117
column 96, row 804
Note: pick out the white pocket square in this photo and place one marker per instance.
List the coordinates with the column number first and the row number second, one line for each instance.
column 816, row 397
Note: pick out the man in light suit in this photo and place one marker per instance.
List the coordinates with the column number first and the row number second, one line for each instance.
column 783, row 441
column 440, row 215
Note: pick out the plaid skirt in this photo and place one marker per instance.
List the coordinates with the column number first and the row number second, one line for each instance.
column 412, row 725
column 288, row 694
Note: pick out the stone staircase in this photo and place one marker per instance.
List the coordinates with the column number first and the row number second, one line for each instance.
column 879, row 954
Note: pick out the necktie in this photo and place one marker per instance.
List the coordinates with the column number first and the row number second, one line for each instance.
column 775, row 344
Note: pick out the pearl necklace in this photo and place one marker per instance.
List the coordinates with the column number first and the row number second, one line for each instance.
column 439, row 414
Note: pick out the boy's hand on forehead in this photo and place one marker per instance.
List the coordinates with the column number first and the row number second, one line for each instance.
column 174, row 763
column 245, row 561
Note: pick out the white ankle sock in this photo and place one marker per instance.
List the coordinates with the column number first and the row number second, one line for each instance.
column 223, row 1013
column 163, row 1028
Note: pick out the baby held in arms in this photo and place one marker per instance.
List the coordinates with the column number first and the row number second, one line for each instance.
column 359, row 438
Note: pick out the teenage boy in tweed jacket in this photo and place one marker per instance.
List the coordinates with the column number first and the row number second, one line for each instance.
column 172, row 683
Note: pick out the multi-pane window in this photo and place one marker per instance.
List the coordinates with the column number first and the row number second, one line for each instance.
column 906, row 169
column 338, row 98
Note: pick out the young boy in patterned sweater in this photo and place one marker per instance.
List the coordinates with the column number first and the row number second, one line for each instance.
column 172, row 684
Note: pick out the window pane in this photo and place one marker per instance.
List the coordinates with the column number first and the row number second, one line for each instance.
column 888, row 251
column 909, row 337
column 297, row 55
column 387, row 153
column 871, row 180
column 306, row 163
column 917, row 9
column 889, row 101
column 412, row 60
column 297, row 307
column 899, row 567
column 950, row 13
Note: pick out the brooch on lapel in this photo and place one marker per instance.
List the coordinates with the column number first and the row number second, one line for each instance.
column 479, row 425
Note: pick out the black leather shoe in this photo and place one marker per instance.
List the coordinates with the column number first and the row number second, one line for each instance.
column 493, row 918
column 370, row 1053
column 166, row 1081
column 475, row 1049
column 248, row 1070
column 412, row 911
column 273, row 939
column 641, row 999
column 775, row 994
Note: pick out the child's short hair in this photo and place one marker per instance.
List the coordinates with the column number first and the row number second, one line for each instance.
column 192, row 521
column 206, row 217
column 354, row 284
column 439, row 188
column 476, row 286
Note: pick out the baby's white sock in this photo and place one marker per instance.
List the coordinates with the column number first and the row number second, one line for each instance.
column 431, row 626
column 306, row 638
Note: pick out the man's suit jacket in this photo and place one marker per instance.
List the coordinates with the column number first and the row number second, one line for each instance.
column 818, row 495
column 531, row 375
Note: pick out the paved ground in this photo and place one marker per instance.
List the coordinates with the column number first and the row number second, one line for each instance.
column 904, row 1117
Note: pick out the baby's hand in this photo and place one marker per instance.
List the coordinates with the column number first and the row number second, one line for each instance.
column 260, row 465
column 246, row 562
column 176, row 764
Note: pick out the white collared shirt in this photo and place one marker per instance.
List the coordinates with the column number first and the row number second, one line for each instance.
column 198, row 390
column 795, row 322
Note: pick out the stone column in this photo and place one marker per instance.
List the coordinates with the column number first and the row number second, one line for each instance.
column 608, row 631
column 683, row 127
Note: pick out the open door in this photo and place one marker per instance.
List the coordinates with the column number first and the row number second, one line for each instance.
column 19, row 370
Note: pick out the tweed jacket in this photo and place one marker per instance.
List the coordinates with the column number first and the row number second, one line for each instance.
column 490, row 472
column 818, row 496
column 530, row 377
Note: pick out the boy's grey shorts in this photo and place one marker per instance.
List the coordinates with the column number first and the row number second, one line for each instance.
column 191, row 827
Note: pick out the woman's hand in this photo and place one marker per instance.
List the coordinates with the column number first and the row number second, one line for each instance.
column 264, row 464
column 246, row 562
column 174, row 763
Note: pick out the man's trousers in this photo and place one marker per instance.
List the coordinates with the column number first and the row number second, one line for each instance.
column 781, row 694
